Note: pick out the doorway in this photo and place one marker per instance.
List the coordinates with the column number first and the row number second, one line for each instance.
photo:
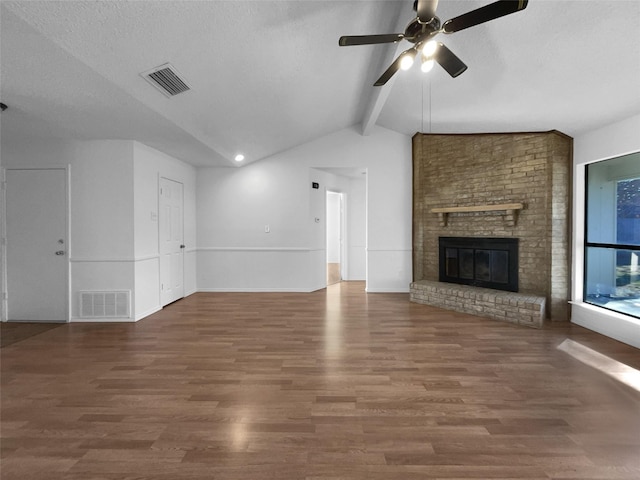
column 335, row 228
column 37, row 260
column 171, row 240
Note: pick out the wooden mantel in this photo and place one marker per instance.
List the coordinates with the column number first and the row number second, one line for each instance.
column 510, row 211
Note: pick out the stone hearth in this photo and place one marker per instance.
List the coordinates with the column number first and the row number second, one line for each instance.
column 512, row 307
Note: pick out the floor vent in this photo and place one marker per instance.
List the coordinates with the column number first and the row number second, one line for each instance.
column 105, row 304
column 166, row 79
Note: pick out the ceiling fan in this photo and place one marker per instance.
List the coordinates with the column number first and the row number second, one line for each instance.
column 424, row 27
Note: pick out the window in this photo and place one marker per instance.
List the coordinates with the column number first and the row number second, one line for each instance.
column 612, row 259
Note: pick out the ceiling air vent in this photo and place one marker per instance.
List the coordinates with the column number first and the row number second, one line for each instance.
column 166, row 79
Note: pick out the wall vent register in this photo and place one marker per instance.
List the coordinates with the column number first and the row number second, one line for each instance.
column 115, row 304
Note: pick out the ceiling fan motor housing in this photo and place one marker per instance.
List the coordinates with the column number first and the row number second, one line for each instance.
column 417, row 32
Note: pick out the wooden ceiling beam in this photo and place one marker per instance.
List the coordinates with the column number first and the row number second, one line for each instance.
column 379, row 95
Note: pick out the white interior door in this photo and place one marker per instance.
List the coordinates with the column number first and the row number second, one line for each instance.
column 37, row 261
column 171, row 241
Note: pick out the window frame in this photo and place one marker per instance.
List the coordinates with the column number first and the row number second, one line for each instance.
column 614, row 245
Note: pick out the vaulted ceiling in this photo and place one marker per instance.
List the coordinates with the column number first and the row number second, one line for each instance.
column 269, row 75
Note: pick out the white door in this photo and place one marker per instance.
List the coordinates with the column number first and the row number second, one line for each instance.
column 171, row 241
column 37, row 261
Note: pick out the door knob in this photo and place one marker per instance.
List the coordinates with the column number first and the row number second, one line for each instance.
column 60, row 252
column 182, row 246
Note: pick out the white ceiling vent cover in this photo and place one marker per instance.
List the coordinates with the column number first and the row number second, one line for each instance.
column 166, row 79
column 114, row 304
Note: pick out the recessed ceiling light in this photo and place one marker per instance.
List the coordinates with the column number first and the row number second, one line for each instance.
column 239, row 157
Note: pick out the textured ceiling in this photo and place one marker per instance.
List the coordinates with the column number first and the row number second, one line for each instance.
column 269, row 75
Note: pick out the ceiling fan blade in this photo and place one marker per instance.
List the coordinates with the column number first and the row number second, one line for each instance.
column 349, row 40
column 426, row 10
column 484, row 14
column 449, row 61
column 390, row 72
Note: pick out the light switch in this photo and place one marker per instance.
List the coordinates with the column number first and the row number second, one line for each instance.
column 266, row 229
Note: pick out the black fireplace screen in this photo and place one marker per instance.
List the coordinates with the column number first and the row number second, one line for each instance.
column 482, row 262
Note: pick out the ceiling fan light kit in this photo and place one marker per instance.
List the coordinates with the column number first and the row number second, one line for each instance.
column 427, row 64
column 407, row 59
column 424, row 27
column 429, row 48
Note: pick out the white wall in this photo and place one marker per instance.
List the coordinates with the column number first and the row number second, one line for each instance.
column 334, row 225
column 148, row 166
column 113, row 242
column 607, row 142
column 102, row 236
column 3, row 256
column 357, row 229
column 100, row 245
column 235, row 204
column 354, row 192
column 30, row 154
column 333, row 182
column 233, row 207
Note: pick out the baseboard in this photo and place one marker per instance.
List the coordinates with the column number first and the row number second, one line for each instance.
column 102, row 320
column 59, row 322
column 385, row 290
column 606, row 322
column 147, row 313
column 253, row 290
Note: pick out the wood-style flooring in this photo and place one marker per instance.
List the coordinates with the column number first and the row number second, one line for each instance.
column 11, row 332
column 335, row 384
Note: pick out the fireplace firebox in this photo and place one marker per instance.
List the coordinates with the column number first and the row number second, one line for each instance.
column 480, row 261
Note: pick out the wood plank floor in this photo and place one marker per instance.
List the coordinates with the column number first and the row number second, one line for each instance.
column 13, row 332
column 335, row 384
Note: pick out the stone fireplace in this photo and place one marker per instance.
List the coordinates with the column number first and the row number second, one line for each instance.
column 513, row 186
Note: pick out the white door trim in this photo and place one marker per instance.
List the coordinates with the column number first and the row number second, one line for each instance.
column 344, row 231
column 162, row 265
